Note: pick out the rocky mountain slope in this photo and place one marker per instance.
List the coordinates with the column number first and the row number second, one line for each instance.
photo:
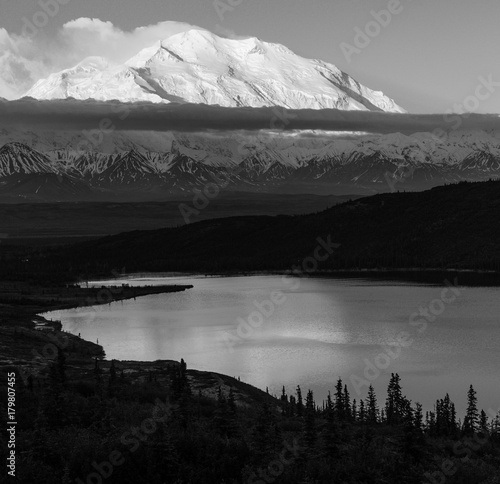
column 149, row 165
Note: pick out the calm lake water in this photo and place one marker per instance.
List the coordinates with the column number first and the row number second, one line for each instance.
column 315, row 331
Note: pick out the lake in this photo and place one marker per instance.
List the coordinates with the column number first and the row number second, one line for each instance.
column 272, row 331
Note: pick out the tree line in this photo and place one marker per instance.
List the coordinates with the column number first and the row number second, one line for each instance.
column 70, row 423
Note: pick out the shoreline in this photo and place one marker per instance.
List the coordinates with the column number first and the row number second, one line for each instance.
column 432, row 276
column 23, row 304
column 27, row 337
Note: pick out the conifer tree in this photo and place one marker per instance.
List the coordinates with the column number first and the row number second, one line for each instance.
column 495, row 425
column 372, row 407
column 300, row 405
column 266, row 434
column 347, row 404
column 483, row 421
column 394, row 400
column 284, row 402
column 292, row 406
column 339, row 400
column 180, row 384
column 431, row 422
column 471, row 414
column 329, row 407
column 361, row 414
column 418, row 420
column 330, row 430
column 309, row 420
column 453, row 418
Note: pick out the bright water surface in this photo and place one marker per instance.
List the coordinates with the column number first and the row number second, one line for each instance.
column 323, row 329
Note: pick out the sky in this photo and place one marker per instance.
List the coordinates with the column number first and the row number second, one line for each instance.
column 430, row 56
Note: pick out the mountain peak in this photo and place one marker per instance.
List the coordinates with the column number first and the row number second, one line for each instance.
column 93, row 63
column 197, row 66
column 192, row 34
column 18, row 158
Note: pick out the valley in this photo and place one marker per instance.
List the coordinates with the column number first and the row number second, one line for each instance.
column 46, row 223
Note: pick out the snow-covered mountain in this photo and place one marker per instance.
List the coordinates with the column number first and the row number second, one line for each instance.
column 200, row 67
column 180, row 163
column 17, row 158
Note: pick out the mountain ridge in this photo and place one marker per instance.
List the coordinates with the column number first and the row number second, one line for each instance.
column 176, row 163
column 197, row 66
column 442, row 229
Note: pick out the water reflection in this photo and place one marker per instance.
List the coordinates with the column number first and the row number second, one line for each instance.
column 327, row 328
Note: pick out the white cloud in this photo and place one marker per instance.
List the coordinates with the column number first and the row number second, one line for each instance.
column 25, row 59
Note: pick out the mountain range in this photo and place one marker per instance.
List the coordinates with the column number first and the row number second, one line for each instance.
column 178, row 163
column 198, row 66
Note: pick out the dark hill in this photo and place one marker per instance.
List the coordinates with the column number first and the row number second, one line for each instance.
column 450, row 227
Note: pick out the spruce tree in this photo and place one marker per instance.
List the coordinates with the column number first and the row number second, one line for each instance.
column 361, row 414
column 431, row 423
column 300, row 405
column 292, row 406
column 339, row 400
column 309, row 420
column 471, row 414
column 266, row 434
column 394, row 400
column 371, row 405
column 284, row 402
column 483, row 421
column 453, row 418
column 329, row 408
column 347, row 404
column 495, row 425
column 418, row 420
column 330, row 430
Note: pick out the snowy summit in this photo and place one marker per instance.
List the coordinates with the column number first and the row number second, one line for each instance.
column 197, row 66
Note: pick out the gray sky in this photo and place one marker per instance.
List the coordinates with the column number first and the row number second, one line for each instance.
column 428, row 57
